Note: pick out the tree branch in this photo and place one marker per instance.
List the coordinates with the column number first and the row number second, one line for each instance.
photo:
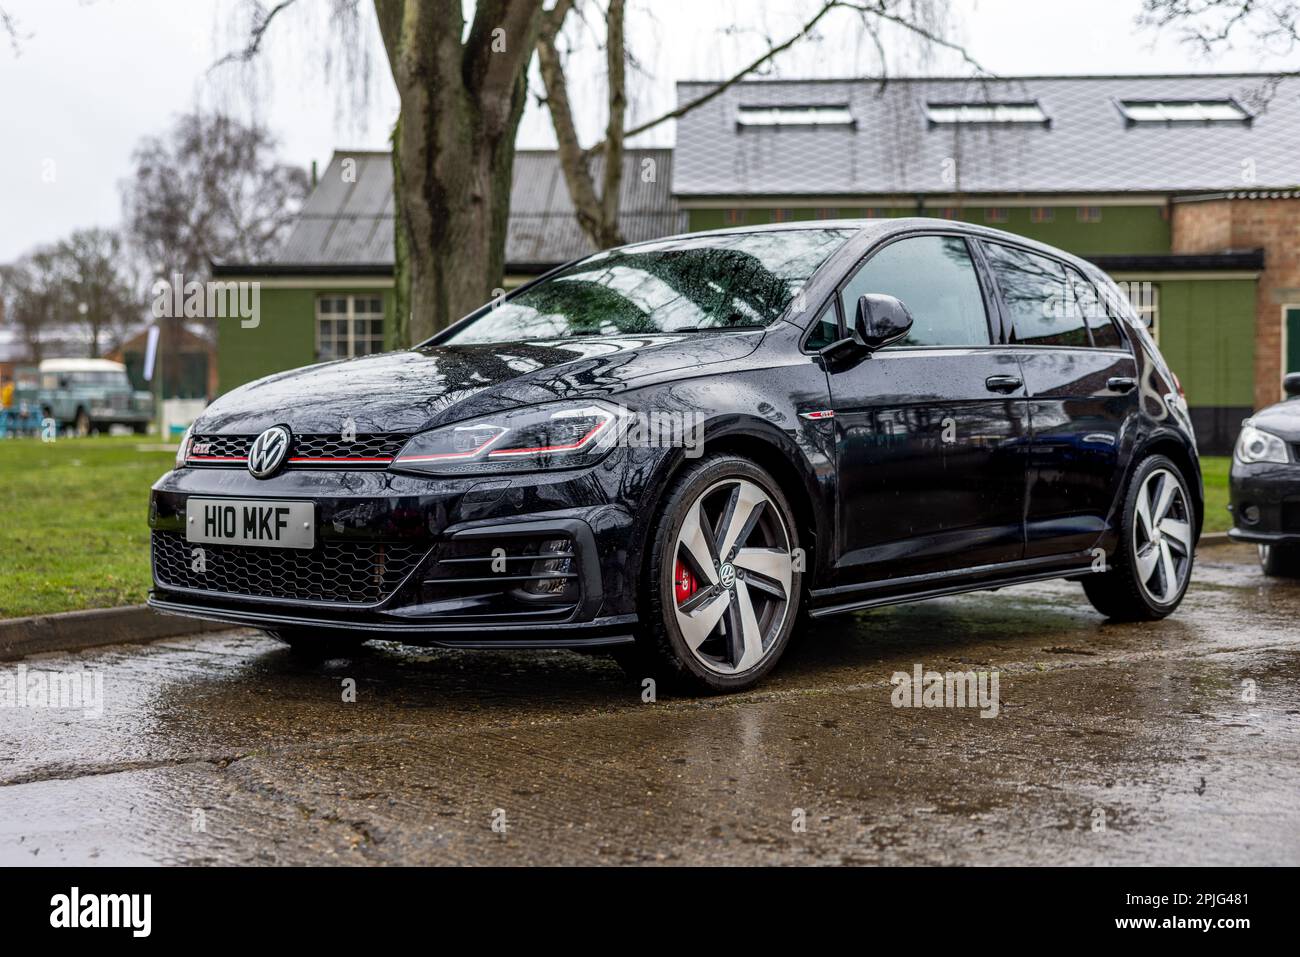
column 879, row 10
column 261, row 23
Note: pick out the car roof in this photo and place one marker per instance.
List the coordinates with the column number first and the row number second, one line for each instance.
column 81, row 365
column 889, row 226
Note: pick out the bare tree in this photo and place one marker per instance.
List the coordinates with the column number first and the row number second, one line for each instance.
column 31, row 294
column 1212, row 25
column 95, row 291
column 78, row 281
column 461, row 102
column 598, row 210
column 211, row 189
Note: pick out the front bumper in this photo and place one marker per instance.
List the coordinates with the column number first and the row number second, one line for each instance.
column 1264, row 500
column 526, row 561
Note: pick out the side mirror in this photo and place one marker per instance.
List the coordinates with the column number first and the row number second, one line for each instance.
column 1291, row 384
column 880, row 320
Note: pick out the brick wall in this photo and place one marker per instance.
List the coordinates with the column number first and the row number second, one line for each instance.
column 1274, row 225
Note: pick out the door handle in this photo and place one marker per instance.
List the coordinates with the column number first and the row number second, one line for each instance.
column 1121, row 383
column 1003, row 383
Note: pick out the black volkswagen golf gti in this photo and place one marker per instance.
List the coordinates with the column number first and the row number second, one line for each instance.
column 674, row 451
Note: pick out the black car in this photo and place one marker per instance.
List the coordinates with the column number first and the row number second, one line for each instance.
column 673, row 451
column 1264, row 485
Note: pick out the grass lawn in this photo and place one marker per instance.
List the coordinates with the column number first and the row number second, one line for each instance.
column 74, row 532
column 1214, row 470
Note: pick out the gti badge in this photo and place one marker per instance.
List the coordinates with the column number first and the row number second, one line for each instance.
column 268, row 452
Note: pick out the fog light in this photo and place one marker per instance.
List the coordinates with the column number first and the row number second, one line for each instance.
column 560, row 562
column 1250, row 514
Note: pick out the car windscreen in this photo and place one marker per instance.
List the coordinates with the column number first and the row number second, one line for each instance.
column 726, row 281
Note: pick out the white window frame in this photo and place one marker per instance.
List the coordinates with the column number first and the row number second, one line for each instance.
column 1163, row 112
column 986, row 114
column 349, row 316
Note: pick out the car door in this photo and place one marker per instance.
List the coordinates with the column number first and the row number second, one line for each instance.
column 1082, row 385
column 930, row 430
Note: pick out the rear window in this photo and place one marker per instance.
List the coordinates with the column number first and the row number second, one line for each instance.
column 691, row 284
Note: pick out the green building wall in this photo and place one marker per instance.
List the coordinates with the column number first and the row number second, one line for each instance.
column 1207, row 335
column 286, row 336
column 1122, row 229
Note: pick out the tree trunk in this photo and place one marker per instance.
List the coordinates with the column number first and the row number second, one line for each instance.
column 597, row 215
column 460, row 110
column 401, row 337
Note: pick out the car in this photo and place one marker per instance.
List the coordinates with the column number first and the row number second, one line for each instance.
column 91, row 395
column 1264, row 483
column 675, row 451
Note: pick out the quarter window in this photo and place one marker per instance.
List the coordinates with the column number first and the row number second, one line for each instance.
column 825, row 330
column 348, row 326
column 935, row 278
column 1039, row 301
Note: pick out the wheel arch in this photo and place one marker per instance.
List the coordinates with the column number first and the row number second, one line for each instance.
column 774, row 452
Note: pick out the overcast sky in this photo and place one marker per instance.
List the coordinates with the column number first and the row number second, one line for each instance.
column 92, row 78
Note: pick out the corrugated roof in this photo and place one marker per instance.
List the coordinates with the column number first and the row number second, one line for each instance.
column 348, row 219
column 893, row 148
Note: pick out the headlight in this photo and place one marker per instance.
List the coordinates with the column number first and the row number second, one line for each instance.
column 558, row 435
column 1256, row 445
column 183, row 450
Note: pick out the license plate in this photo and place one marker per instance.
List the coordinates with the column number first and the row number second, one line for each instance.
column 237, row 521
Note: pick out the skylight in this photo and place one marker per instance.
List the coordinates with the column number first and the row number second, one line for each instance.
column 986, row 113
column 794, row 116
column 1183, row 111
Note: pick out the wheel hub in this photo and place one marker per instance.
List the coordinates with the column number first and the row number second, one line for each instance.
column 733, row 576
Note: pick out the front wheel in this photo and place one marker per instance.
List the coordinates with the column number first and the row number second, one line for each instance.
column 1152, row 566
column 722, row 588
column 1280, row 561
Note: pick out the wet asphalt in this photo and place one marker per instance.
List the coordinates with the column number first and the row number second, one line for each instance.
column 1173, row 743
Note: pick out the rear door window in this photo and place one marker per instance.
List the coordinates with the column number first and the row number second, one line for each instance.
column 1039, row 299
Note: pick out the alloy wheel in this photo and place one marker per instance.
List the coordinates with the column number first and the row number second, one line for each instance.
column 732, row 576
column 1162, row 536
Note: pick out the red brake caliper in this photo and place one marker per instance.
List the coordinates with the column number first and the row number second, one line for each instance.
column 683, row 582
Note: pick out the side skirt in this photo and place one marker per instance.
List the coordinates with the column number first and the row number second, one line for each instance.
column 898, row 591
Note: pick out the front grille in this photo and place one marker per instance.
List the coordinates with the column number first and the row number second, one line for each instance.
column 375, row 449
column 1291, row 516
column 333, row 571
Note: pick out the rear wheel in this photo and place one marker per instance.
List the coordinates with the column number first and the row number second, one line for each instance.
column 1153, row 563
column 1280, row 561
column 722, row 592
column 311, row 645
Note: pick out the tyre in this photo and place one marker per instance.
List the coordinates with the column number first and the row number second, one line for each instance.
column 310, row 645
column 721, row 593
column 1280, row 561
column 1149, row 572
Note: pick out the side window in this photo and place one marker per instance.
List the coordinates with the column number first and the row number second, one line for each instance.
column 825, row 330
column 1104, row 333
column 935, row 278
column 1039, row 301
